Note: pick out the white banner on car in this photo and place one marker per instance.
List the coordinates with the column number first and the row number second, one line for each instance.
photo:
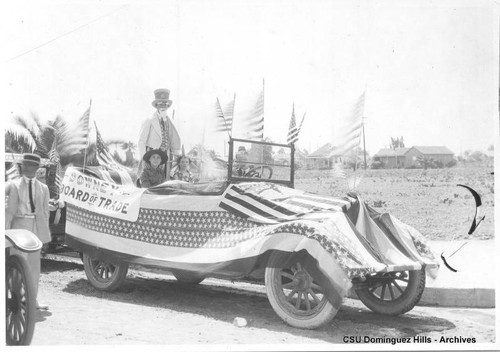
column 101, row 196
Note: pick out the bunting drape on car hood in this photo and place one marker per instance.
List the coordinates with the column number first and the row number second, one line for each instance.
column 199, row 233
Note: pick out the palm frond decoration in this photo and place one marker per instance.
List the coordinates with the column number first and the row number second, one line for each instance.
column 18, row 139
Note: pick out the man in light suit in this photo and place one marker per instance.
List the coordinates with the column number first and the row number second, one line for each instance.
column 158, row 132
column 27, row 206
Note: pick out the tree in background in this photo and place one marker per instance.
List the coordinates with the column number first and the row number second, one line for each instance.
column 397, row 143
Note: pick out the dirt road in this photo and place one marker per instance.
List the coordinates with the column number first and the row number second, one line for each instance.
column 153, row 308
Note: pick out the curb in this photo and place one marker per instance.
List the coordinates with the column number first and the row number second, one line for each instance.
column 452, row 297
column 458, row 297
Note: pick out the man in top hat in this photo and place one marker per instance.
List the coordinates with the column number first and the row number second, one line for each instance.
column 158, row 132
column 27, row 206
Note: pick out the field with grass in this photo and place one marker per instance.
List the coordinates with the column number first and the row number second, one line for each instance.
column 429, row 200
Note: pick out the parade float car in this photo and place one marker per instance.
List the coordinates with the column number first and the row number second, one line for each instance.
column 248, row 222
column 22, row 271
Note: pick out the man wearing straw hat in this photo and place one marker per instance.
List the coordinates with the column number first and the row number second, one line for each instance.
column 158, row 132
column 27, row 206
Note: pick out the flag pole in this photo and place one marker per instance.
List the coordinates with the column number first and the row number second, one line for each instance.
column 88, row 140
column 223, row 118
column 232, row 122
column 364, row 142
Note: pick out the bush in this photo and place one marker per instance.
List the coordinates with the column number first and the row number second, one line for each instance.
column 377, row 165
column 451, row 163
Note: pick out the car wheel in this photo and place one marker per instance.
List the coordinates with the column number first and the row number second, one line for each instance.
column 295, row 296
column 393, row 293
column 20, row 294
column 104, row 275
column 187, row 277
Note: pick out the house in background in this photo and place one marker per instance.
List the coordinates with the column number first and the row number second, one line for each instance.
column 322, row 158
column 441, row 155
column 391, row 158
column 413, row 157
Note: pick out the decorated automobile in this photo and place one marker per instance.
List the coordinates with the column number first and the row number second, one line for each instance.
column 244, row 219
column 22, row 271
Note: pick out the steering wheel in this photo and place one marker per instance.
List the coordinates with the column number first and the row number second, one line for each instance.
column 265, row 172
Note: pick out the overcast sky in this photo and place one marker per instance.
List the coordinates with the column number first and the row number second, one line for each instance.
column 429, row 68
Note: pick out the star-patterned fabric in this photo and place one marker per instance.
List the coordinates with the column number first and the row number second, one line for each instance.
column 237, row 236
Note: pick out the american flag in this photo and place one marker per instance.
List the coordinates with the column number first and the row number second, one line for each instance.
column 293, row 131
column 229, row 112
column 55, row 159
column 248, row 201
column 351, row 129
column 112, row 171
column 255, row 124
column 75, row 138
column 103, row 155
column 224, row 117
column 13, row 172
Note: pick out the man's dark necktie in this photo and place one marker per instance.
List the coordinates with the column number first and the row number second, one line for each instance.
column 32, row 204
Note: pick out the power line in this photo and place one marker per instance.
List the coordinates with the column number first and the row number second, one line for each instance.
column 66, row 33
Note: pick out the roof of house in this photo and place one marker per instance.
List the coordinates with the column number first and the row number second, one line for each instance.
column 323, row 152
column 389, row 152
column 433, row 150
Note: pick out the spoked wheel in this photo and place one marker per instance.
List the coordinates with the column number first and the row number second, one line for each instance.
column 393, row 293
column 20, row 302
column 104, row 275
column 185, row 277
column 294, row 295
column 263, row 171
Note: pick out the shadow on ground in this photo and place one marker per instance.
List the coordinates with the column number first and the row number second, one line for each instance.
column 225, row 303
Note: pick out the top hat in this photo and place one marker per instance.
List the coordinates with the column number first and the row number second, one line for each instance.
column 161, row 153
column 30, row 159
column 162, row 96
column 242, row 149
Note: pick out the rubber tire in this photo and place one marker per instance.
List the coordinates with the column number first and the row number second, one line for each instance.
column 188, row 278
column 118, row 273
column 27, row 279
column 402, row 304
column 325, row 313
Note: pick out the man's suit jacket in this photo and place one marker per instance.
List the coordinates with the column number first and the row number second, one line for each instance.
column 150, row 136
column 13, row 189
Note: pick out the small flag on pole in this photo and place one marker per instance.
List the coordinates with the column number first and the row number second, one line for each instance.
column 103, row 155
column 224, row 117
column 229, row 113
column 293, row 132
column 255, row 123
column 350, row 130
column 55, row 159
column 301, row 123
column 13, row 172
column 74, row 138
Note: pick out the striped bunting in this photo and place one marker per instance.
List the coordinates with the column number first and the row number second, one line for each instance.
column 247, row 203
